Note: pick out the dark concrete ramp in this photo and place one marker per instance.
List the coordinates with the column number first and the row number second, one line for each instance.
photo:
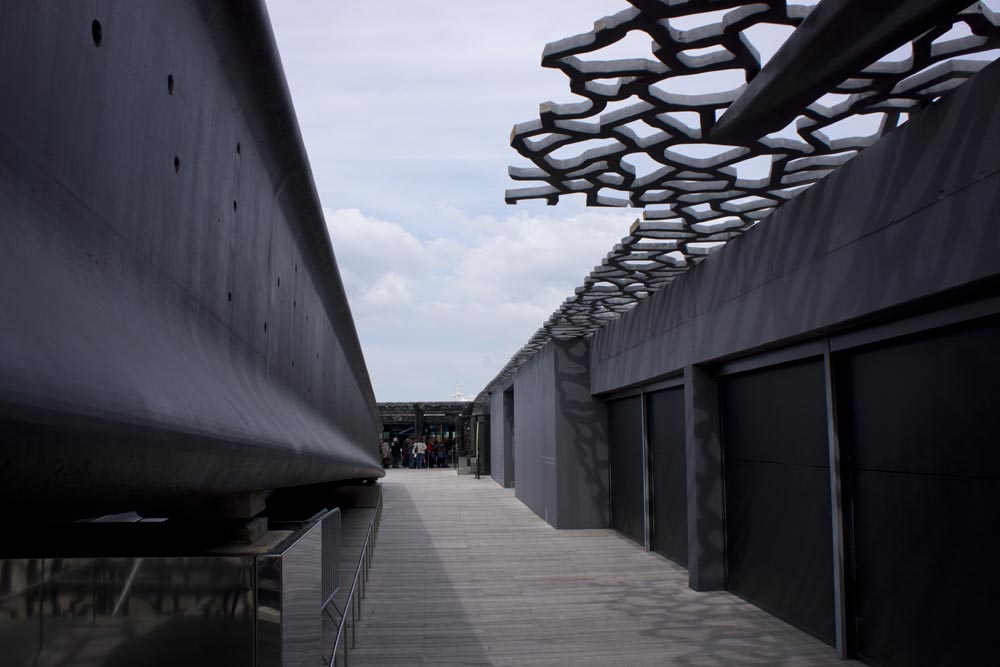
column 172, row 320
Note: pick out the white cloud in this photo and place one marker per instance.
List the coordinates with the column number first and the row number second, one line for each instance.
column 406, row 108
column 389, row 290
column 436, row 312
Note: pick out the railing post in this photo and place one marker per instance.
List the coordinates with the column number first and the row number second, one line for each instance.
column 358, row 591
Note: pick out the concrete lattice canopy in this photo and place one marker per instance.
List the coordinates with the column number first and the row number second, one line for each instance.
column 642, row 134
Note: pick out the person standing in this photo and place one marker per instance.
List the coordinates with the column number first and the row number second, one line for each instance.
column 385, row 453
column 419, row 453
column 395, row 452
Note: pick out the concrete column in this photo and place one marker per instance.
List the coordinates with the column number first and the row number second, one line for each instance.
column 706, row 527
column 508, row 437
column 418, row 420
column 836, row 506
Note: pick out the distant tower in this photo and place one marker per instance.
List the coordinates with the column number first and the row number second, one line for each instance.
column 458, row 393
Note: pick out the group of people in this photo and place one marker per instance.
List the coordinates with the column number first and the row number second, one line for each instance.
column 431, row 452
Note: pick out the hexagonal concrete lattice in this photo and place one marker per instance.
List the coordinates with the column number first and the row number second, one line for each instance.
column 641, row 136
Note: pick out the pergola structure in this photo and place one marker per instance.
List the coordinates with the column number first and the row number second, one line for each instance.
column 709, row 137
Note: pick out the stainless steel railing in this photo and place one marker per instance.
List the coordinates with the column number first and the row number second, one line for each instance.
column 352, row 606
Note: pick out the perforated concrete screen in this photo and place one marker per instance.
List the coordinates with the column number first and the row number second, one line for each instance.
column 641, row 132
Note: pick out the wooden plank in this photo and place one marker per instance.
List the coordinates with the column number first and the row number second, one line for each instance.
column 464, row 574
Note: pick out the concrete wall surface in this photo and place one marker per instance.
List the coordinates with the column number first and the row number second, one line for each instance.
column 581, row 440
column 174, row 322
column 535, row 436
column 561, row 457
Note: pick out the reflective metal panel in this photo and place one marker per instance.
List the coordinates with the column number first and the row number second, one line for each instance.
column 289, row 604
column 126, row 611
column 268, row 639
column 301, row 601
column 20, row 601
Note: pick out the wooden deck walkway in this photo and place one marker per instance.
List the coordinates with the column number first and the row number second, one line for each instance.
column 464, row 574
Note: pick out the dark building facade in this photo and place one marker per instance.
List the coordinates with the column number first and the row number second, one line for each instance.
column 808, row 418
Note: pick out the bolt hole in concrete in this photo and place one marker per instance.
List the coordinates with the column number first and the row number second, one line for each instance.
column 234, row 206
column 239, row 149
column 229, row 296
column 265, row 327
column 170, row 84
column 95, row 32
column 177, row 165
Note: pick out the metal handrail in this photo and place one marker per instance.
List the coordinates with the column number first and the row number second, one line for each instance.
column 353, row 601
column 332, row 538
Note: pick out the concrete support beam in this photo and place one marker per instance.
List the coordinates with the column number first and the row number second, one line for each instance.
column 837, row 40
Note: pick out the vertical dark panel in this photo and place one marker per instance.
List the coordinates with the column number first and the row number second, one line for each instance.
column 778, row 519
column 920, row 421
column 705, row 481
column 508, row 437
column 625, row 429
column 496, row 425
column 667, row 442
column 484, row 457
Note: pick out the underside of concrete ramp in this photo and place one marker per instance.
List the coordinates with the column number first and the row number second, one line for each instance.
column 174, row 322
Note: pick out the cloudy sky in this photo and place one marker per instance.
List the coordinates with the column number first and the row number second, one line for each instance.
column 406, row 108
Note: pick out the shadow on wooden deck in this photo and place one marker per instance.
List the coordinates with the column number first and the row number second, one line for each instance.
column 464, row 574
